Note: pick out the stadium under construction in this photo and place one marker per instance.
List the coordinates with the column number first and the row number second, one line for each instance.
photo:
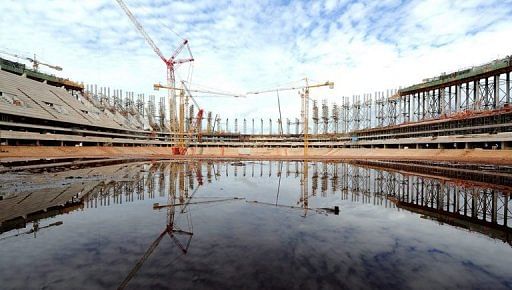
column 468, row 109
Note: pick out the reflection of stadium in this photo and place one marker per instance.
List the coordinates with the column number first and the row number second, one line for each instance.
column 475, row 206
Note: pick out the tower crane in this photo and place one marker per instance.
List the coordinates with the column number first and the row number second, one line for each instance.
column 35, row 63
column 304, row 93
column 171, row 63
column 181, row 148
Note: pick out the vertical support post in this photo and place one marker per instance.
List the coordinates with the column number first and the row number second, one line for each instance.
column 423, row 106
column 476, row 94
column 496, row 93
column 466, row 104
column 440, row 100
column 457, row 98
column 507, row 88
column 409, row 107
column 486, row 96
column 449, row 103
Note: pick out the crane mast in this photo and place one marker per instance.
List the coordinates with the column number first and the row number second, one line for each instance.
column 181, row 126
column 171, row 63
column 304, row 94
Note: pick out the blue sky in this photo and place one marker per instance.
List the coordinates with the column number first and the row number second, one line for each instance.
column 363, row 46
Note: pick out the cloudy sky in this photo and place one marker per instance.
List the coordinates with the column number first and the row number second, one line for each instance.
column 363, row 46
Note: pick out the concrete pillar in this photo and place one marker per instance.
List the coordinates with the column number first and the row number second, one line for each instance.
column 409, row 107
column 505, row 145
column 467, row 146
column 440, row 100
column 439, row 146
column 418, row 117
column 476, row 94
column 467, row 97
column 449, row 101
column 457, row 98
column 496, row 91
column 507, row 89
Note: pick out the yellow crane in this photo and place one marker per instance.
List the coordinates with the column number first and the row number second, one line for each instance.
column 181, row 144
column 35, row 63
column 304, row 93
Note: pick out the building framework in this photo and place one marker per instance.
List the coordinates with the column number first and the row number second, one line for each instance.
column 460, row 110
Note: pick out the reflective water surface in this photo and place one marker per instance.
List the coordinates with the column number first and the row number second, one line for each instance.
column 251, row 225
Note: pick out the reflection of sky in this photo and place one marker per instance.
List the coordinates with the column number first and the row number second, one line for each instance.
column 241, row 245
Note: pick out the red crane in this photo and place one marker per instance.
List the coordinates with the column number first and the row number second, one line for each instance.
column 171, row 63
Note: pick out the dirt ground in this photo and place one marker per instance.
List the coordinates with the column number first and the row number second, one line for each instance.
column 498, row 157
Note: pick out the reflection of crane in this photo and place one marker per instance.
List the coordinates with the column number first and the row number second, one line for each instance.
column 181, row 124
column 171, row 229
column 304, row 93
column 34, row 230
column 34, row 61
column 171, row 63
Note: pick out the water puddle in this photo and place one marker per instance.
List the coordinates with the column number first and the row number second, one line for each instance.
column 252, row 225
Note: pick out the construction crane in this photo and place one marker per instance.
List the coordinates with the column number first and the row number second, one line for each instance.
column 171, row 63
column 35, row 63
column 181, row 146
column 304, row 93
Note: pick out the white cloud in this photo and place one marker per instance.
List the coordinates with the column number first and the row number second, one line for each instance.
column 363, row 46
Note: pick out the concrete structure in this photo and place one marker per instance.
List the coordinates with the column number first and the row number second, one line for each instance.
column 461, row 110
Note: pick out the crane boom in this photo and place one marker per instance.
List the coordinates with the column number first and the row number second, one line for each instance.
column 171, row 63
column 141, row 30
column 304, row 94
column 327, row 83
column 34, row 61
column 160, row 86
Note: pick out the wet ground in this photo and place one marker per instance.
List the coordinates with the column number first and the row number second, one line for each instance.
column 251, row 225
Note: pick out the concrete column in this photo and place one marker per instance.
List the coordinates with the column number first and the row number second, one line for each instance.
column 409, row 107
column 496, row 91
column 486, row 97
column 507, row 88
column 505, row 145
column 457, row 98
column 467, row 146
column 423, row 107
column 476, row 94
column 418, row 96
column 467, row 97
column 442, row 102
column 449, row 101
